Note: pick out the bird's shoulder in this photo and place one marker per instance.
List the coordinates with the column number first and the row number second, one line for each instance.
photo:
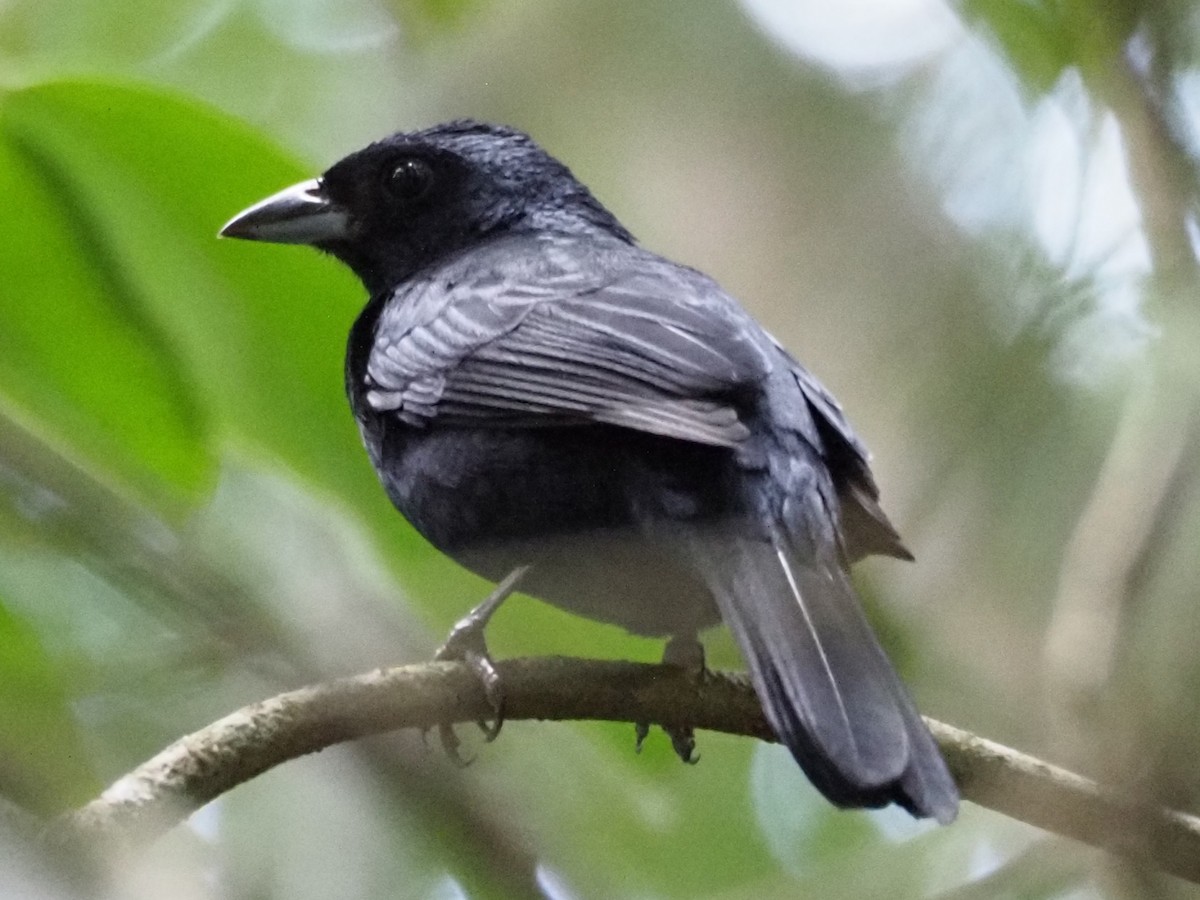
column 548, row 328
column 603, row 293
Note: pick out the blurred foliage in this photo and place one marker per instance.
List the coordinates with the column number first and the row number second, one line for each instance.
column 1042, row 40
column 44, row 762
column 428, row 19
column 980, row 238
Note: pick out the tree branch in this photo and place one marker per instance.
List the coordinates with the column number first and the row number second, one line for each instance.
column 163, row 791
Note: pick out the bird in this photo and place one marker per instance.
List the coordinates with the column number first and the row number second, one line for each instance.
column 547, row 401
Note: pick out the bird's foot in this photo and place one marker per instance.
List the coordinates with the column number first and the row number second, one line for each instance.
column 466, row 643
column 688, row 654
column 683, row 739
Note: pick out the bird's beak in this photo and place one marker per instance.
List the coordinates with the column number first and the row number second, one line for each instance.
column 301, row 214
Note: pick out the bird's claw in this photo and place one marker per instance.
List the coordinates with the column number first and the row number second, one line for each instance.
column 450, row 744
column 466, row 644
column 683, row 741
column 686, row 653
column 641, row 731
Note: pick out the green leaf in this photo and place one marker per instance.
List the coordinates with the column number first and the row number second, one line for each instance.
column 259, row 332
column 42, row 760
column 1033, row 35
column 158, row 176
column 80, row 364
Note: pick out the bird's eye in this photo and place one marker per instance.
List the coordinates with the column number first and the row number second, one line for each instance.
column 409, row 179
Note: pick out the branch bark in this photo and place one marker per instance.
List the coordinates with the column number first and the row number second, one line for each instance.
column 196, row 769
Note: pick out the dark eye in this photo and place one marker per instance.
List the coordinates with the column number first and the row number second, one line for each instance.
column 409, row 179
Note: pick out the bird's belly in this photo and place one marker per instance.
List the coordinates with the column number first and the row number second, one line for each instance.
column 592, row 509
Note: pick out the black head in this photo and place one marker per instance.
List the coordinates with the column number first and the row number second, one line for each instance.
column 411, row 199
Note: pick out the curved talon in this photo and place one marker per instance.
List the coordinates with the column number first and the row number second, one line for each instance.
column 466, row 645
column 493, row 688
column 683, row 741
column 450, row 745
column 641, row 731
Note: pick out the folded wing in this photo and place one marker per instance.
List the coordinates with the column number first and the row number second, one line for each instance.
column 656, row 351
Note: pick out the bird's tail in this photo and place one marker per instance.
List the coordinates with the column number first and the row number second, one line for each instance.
column 827, row 688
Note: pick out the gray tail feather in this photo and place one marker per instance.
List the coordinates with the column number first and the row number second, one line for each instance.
column 828, row 690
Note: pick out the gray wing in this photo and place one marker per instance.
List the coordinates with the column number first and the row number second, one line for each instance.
column 569, row 339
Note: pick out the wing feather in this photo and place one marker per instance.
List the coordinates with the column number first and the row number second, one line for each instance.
column 655, row 351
